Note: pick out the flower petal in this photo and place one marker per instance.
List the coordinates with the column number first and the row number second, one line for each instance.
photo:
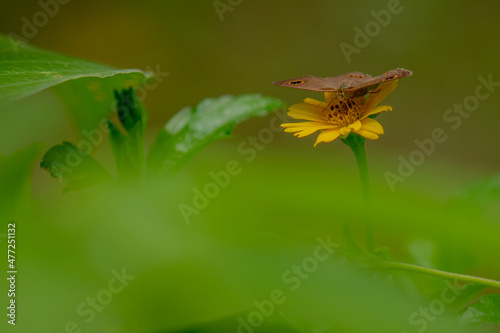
column 306, row 107
column 344, row 131
column 327, row 136
column 378, row 109
column 306, row 128
column 307, row 124
column 367, row 134
column 329, row 96
column 306, row 111
column 369, row 124
column 355, row 126
column 314, row 102
column 305, row 115
column 305, row 132
column 384, row 90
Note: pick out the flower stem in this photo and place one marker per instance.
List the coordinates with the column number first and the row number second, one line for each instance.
column 391, row 265
column 357, row 144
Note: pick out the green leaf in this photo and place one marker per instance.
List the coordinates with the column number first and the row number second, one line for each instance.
column 72, row 165
column 212, row 119
column 84, row 86
column 15, row 176
column 128, row 147
column 485, row 311
column 130, row 110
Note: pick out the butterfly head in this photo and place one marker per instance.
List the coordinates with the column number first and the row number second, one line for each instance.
column 341, row 92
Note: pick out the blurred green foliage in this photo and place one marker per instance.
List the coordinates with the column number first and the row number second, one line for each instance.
column 213, row 273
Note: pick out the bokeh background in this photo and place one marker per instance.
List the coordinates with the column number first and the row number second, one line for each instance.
column 447, row 45
column 290, row 190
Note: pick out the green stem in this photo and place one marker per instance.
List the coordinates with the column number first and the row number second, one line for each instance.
column 391, row 265
column 357, row 145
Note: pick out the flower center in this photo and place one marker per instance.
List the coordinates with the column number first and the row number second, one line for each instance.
column 342, row 113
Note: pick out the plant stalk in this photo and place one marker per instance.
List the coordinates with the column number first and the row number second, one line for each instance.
column 357, row 145
column 392, row 265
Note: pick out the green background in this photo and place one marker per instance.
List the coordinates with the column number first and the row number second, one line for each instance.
column 269, row 216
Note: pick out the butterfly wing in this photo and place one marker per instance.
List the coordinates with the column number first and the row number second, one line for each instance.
column 368, row 86
column 355, row 84
column 313, row 83
column 325, row 84
column 373, row 82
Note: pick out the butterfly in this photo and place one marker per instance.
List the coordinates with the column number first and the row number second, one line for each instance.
column 354, row 86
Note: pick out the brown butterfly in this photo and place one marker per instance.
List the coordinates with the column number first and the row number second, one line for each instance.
column 347, row 86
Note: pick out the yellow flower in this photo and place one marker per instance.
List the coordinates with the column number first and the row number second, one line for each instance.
column 340, row 116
